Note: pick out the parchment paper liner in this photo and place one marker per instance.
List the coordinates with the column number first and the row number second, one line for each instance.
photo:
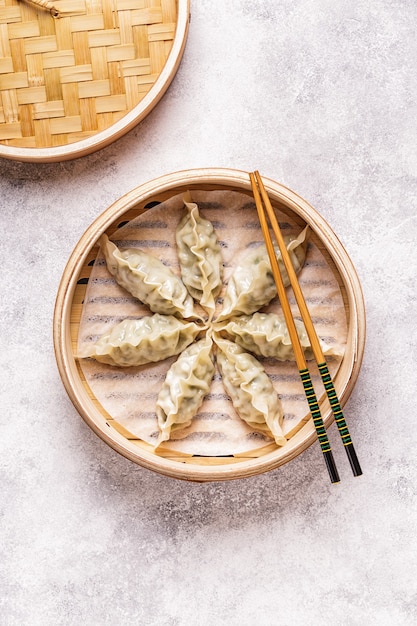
column 129, row 395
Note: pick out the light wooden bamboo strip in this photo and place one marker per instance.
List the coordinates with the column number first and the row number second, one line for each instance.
column 94, row 89
column 65, row 125
column 132, row 91
column 109, row 14
column 125, row 26
column 22, row 142
column 35, row 70
column 143, row 89
column 70, row 98
column 76, row 74
column 92, row 7
column 116, row 80
column 5, row 49
column 146, row 16
column 53, row 84
column 99, row 63
column 28, row 12
column 6, row 65
column 26, row 121
column 104, row 120
column 61, row 58
column 46, row 24
column 10, row 106
column 88, row 114
column 10, row 131
column 169, row 10
column 63, row 32
column 124, row 52
column 104, row 38
column 66, row 8
column 24, row 30
column 111, row 103
column 9, row 14
column 37, row 45
column 59, row 140
column 167, row 45
column 136, row 67
column 43, row 136
column 17, row 49
column 14, row 81
column 156, row 56
column 140, row 39
column 129, row 5
column 86, row 23
column 81, row 50
column 161, row 32
column 48, row 110
column 31, row 95
column 147, row 79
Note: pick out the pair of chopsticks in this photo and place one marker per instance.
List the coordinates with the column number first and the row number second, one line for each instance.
column 263, row 204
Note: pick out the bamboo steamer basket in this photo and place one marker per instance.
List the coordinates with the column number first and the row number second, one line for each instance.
column 75, row 75
column 68, row 312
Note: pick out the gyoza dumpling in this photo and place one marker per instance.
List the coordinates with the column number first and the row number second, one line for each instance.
column 266, row 334
column 252, row 284
column 186, row 384
column 199, row 257
column 148, row 279
column 146, row 340
column 250, row 389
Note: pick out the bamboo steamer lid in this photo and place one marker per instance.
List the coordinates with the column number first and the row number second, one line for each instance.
column 72, row 291
column 76, row 75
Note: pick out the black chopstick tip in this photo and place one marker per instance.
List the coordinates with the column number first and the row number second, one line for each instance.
column 353, row 460
column 331, row 466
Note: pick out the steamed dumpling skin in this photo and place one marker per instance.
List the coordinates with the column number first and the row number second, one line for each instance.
column 148, row 279
column 199, row 256
column 186, row 384
column 250, row 389
column 252, row 284
column 149, row 339
column 266, row 334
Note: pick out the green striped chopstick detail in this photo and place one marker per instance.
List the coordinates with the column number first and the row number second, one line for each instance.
column 315, row 410
column 335, row 404
column 319, row 425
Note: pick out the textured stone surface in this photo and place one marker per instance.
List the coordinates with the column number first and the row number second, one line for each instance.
column 320, row 96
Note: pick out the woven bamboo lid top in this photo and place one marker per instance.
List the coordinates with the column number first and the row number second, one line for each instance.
column 77, row 74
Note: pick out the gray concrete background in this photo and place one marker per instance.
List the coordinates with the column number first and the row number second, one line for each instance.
column 321, row 96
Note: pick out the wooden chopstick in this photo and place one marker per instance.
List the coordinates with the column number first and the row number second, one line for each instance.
column 256, row 182
column 298, row 351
